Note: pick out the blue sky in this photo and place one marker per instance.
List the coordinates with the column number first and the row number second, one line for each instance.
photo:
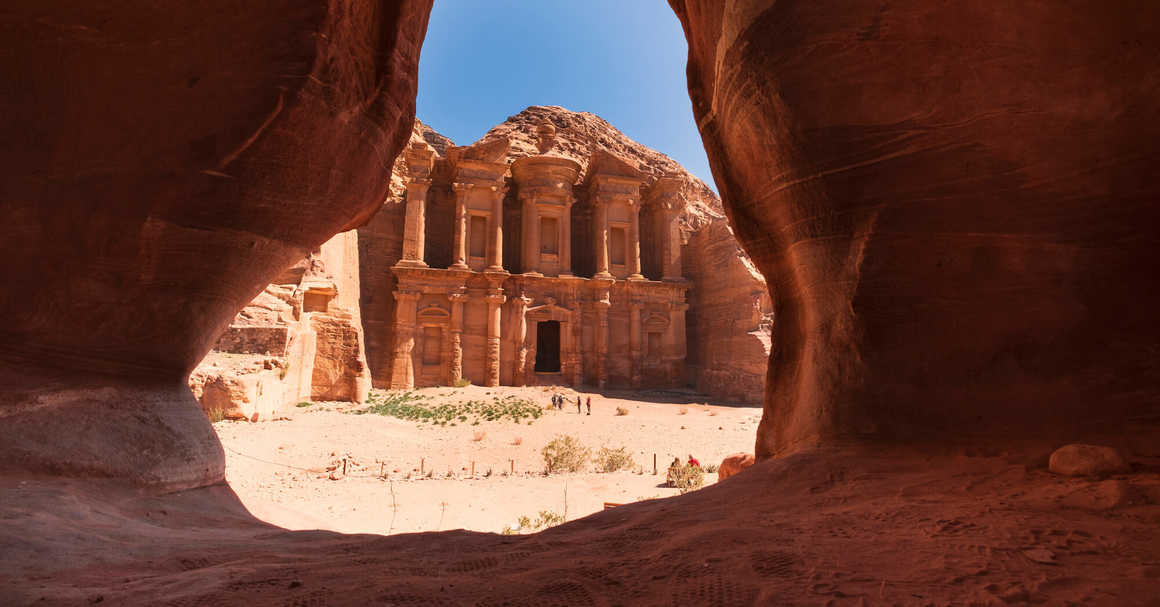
column 623, row 60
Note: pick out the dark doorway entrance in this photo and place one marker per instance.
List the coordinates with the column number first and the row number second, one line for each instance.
column 548, row 346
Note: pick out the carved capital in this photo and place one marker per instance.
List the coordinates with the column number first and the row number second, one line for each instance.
column 407, row 295
column 495, row 298
column 423, row 181
column 462, row 186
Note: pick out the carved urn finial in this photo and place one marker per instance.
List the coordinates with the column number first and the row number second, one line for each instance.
column 545, row 136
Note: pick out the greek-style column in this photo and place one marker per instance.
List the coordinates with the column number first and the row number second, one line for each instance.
column 415, row 226
column 520, row 306
column 602, row 340
column 679, row 348
column 634, row 345
column 566, row 238
column 402, row 369
column 602, row 238
column 495, row 247
column 460, row 246
column 531, row 235
column 634, row 244
column 455, row 366
column 494, row 299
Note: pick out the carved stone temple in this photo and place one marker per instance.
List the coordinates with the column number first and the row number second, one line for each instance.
column 529, row 272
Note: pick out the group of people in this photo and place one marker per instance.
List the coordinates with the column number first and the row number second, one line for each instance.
column 558, row 402
column 675, row 468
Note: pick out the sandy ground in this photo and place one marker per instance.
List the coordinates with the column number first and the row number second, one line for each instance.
column 279, row 468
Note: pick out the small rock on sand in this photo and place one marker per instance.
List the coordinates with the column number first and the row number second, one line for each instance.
column 1086, row 460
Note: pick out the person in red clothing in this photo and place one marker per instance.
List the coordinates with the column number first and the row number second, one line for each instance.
column 693, row 461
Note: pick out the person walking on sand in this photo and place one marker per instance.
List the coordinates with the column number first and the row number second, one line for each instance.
column 578, row 405
column 555, row 401
column 589, row 405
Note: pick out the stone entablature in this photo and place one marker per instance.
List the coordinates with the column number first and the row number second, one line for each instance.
column 537, row 320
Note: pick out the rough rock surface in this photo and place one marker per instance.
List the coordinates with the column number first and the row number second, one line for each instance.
column 1087, row 460
column 952, row 204
column 309, row 321
column 162, row 163
column 734, row 464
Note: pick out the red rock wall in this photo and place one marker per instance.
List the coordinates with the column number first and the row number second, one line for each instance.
column 164, row 161
column 954, row 205
column 729, row 316
column 380, row 243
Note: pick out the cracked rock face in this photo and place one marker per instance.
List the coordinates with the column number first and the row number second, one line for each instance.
column 163, row 163
column 953, row 207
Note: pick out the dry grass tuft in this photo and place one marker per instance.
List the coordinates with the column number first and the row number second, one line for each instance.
column 683, row 411
column 517, row 441
column 621, row 411
column 478, row 436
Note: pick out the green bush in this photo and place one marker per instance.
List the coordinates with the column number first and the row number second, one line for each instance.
column 546, row 519
column 611, row 460
column 411, row 407
column 687, row 478
column 303, row 404
column 565, row 454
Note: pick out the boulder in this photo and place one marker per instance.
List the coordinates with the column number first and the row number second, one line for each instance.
column 1087, row 460
column 734, row 464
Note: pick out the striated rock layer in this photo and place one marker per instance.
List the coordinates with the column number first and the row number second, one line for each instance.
column 954, row 207
column 162, row 163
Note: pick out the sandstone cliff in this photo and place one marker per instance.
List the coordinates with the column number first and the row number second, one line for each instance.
column 300, row 339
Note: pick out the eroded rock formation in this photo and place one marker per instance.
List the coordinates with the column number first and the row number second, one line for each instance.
column 952, row 205
column 300, row 339
column 162, row 164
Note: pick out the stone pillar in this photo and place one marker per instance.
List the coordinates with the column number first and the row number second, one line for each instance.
column 460, row 246
column 415, row 224
column 531, row 248
column 602, row 340
column 455, row 366
column 634, row 341
column 494, row 299
column 566, row 239
column 634, row 245
column 520, row 306
column 495, row 247
column 602, row 239
column 403, row 369
column 670, row 245
column 678, row 351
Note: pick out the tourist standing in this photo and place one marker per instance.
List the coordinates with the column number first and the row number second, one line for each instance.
column 578, row 411
column 589, row 405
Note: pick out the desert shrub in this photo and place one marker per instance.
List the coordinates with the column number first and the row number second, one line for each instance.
column 462, row 382
column 478, row 436
column 711, row 468
column 683, row 411
column 215, row 415
column 565, row 454
column 517, row 441
column 410, row 406
column 687, row 478
column 303, row 404
column 621, row 411
column 524, row 524
column 611, row 460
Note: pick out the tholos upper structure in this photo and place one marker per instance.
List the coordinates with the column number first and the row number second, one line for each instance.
column 954, row 205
